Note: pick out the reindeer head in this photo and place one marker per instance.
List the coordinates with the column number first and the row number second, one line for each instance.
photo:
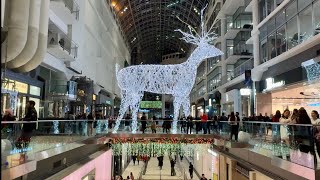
column 203, row 40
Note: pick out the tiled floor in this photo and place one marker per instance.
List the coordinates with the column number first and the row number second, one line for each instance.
column 135, row 169
column 154, row 172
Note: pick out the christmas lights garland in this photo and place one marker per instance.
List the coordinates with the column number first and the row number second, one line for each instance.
column 158, row 146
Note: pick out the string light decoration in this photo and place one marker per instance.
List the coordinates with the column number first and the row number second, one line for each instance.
column 177, row 79
column 313, row 70
column 159, row 146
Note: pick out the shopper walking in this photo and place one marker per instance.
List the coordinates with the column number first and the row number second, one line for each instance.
column 203, row 177
column 191, row 170
column 138, row 158
column 131, row 176
column 134, row 158
column 172, row 163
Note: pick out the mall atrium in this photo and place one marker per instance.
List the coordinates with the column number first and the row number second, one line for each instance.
column 160, row 89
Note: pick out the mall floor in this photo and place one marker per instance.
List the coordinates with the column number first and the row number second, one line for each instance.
column 153, row 170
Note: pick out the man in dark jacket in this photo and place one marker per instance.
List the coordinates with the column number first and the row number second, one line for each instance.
column 28, row 128
column 143, row 122
column 172, row 162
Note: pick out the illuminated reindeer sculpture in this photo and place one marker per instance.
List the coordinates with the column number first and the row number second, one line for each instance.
column 177, row 80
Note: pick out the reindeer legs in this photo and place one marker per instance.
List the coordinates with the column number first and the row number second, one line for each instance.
column 136, row 98
column 186, row 106
column 123, row 108
column 176, row 106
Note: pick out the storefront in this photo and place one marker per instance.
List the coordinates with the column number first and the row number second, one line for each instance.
column 200, row 106
column 289, row 90
column 231, row 101
column 104, row 103
column 85, row 94
column 17, row 90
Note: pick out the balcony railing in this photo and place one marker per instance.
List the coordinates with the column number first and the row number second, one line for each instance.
column 288, row 141
column 240, row 49
column 243, row 67
column 66, row 44
column 73, row 7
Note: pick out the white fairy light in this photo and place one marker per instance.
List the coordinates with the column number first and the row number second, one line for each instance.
column 177, row 80
column 313, row 69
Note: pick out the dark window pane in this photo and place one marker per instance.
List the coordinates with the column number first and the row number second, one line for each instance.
column 292, row 33
column 271, row 25
column 281, row 18
column 303, row 3
column 271, row 46
column 281, row 43
column 291, row 10
column 316, row 15
column 305, row 19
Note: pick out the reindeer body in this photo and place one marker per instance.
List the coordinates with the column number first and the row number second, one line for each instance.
column 162, row 79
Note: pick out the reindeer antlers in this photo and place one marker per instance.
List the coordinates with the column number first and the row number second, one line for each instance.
column 196, row 39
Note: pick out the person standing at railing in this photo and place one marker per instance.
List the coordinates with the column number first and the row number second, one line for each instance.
column 127, row 123
column 183, row 124
column 224, row 118
column 316, row 121
column 198, row 124
column 28, row 128
column 276, row 127
column 204, row 121
column 153, row 126
column 304, row 135
column 90, row 122
column 189, row 124
column 284, row 133
column 143, row 122
column 233, row 121
column 8, row 128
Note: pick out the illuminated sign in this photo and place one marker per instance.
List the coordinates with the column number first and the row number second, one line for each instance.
column 151, row 104
column 16, row 85
column 94, row 97
column 270, row 84
column 245, row 92
column 34, row 90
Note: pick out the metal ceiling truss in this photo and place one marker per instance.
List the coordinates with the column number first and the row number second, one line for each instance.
column 149, row 24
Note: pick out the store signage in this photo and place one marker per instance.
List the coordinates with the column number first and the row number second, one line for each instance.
column 108, row 102
column 245, row 92
column 270, row 84
column 34, row 90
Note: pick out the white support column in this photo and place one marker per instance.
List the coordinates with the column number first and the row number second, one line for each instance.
column 223, row 45
column 255, row 32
